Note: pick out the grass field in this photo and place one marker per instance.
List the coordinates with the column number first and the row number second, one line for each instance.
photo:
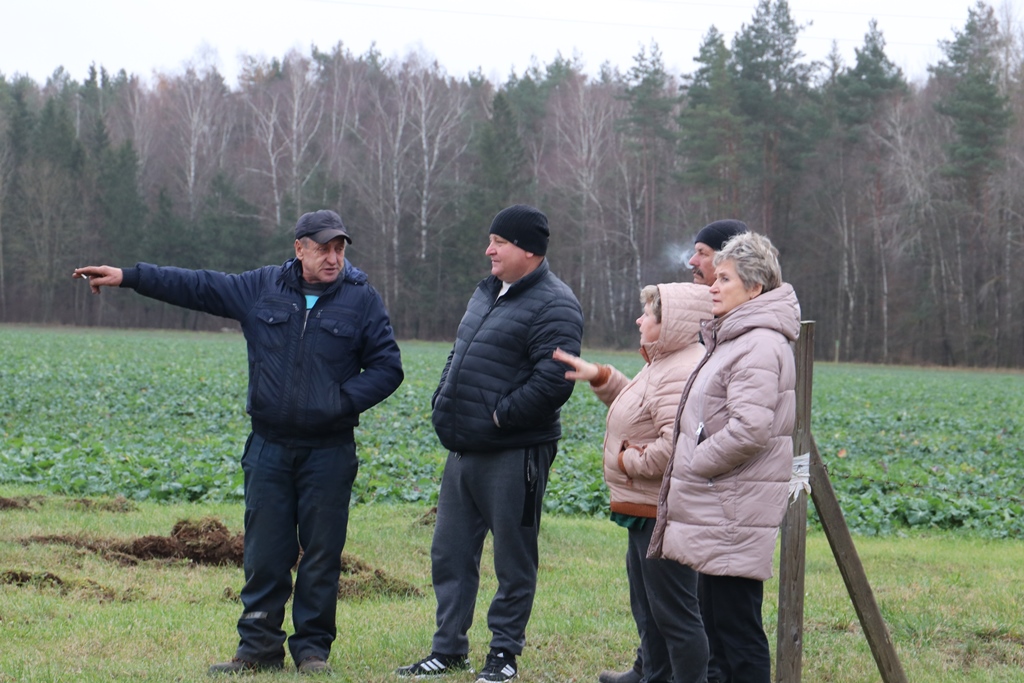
column 952, row 602
column 927, row 465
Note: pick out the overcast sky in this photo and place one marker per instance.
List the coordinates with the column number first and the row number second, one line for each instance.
column 147, row 36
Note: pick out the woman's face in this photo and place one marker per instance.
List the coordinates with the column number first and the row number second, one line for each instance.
column 650, row 328
column 728, row 291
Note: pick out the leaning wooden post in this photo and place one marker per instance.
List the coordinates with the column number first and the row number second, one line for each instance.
column 850, row 566
column 790, row 633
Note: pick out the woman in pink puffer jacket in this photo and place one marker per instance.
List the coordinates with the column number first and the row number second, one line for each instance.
column 725, row 491
column 637, row 448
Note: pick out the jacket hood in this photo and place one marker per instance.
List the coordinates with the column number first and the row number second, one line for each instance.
column 683, row 306
column 776, row 310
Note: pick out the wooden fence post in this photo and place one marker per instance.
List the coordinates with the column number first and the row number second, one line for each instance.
column 790, row 633
column 850, row 566
column 789, row 638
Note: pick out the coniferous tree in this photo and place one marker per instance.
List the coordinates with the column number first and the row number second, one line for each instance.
column 858, row 213
column 980, row 116
column 979, row 111
column 122, row 207
column 711, row 133
column 775, row 98
column 49, row 200
column 648, row 130
column 503, row 162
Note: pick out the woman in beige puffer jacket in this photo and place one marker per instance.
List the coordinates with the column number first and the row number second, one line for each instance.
column 637, row 447
column 726, row 489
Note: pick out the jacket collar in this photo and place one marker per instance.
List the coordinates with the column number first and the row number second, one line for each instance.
column 493, row 284
column 776, row 310
column 291, row 276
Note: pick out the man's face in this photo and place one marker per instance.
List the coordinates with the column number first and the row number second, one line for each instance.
column 701, row 263
column 321, row 263
column 509, row 263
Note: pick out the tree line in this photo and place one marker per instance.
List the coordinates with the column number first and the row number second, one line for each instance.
column 897, row 207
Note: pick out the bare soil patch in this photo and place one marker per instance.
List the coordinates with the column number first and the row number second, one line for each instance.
column 208, row 542
column 118, row 504
column 359, row 581
column 51, row 581
column 23, row 503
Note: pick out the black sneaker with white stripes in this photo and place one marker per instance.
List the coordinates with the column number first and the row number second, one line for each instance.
column 436, row 664
column 500, row 667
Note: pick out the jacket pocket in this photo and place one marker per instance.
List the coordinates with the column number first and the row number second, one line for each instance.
column 336, row 341
column 272, row 328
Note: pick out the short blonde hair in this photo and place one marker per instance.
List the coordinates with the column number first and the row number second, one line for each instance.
column 652, row 295
column 755, row 258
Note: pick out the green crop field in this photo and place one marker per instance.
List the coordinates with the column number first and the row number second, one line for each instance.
column 160, row 416
column 111, row 439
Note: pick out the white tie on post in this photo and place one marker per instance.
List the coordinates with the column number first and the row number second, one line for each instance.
column 801, row 477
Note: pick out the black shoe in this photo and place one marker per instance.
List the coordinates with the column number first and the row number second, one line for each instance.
column 236, row 666
column 631, row 676
column 500, row 667
column 436, row 664
column 312, row 666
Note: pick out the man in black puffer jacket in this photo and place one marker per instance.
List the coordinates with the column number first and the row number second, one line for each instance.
column 321, row 351
column 496, row 409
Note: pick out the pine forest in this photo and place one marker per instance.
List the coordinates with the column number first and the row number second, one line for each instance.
column 897, row 206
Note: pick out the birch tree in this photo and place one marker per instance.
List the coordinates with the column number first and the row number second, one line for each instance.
column 199, row 122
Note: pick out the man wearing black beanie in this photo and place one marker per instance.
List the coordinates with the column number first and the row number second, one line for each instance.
column 496, row 410
column 711, row 238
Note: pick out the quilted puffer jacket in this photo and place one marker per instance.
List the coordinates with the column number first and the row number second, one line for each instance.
column 501, row 366
column 642, row 411
column 310, row 374
column 725, row 491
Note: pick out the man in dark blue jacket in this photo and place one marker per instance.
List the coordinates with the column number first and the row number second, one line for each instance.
column 321, row 351
column 496, row 409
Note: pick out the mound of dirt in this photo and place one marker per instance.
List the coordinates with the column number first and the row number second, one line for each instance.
column 208, row 542
column 359, row 581
column 16, row 504
column 118, row 504
column 50, row 581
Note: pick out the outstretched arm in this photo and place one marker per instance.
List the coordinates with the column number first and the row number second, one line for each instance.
column 99, row 276
column 582, row 371
column 606, row 381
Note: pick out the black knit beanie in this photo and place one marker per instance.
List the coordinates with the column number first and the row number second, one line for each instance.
column 716, row 234
column 523, row 226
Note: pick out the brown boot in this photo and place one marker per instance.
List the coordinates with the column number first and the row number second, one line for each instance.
column 312, row 666
column 237, row 666
column 631, row 676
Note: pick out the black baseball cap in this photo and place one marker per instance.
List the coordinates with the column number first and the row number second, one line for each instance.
column 321, row 226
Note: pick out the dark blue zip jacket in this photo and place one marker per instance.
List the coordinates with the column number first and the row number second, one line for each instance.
column 501, row 365
column 310, row 376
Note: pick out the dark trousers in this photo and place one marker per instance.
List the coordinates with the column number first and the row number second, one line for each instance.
column 502, row 493
column 293, row 497
column 663, row 597
column 731, row 608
